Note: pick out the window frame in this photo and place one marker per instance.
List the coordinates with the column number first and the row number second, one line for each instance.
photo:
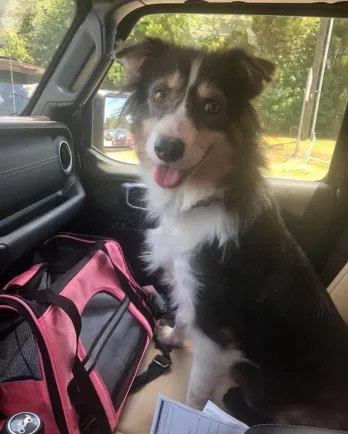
column 337, row 175
column 82, row 7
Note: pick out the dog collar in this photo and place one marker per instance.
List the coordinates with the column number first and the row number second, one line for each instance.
column 206, row 202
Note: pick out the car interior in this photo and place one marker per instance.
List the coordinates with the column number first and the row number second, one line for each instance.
column 56, row 177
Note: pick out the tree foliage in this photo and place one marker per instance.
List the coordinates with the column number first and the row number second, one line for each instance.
column 289, row 41
column 15, row 46
column 38, row 27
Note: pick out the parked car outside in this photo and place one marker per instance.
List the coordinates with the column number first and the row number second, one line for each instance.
column 108, row 135
column 120, row 138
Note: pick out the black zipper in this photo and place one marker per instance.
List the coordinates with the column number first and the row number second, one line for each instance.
column 56, row 403
column 104, row 335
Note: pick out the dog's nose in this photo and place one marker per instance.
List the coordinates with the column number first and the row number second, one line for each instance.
column 169, row 149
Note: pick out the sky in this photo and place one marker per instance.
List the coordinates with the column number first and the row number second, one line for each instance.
column 113, row 106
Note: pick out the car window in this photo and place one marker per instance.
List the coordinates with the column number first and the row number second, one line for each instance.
column 30, row 33
column 301, row 113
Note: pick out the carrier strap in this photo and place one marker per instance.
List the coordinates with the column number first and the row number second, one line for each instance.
column 81, row 384
column 158, row 366
column 133, row 296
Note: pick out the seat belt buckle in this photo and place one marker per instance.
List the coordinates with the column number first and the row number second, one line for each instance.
column 162, row 361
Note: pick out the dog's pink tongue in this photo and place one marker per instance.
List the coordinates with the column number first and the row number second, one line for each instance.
column 166, row 176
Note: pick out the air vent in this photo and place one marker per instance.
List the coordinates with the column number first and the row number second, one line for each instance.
column 65, row 157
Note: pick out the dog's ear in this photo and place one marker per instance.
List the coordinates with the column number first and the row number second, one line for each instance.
column 135, row 56
column 260, row 72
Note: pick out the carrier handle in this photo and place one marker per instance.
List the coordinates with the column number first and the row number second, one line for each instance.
column 133, row 296
column 81, row 381
column 68, row 306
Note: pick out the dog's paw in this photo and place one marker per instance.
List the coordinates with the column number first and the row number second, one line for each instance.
column 169, row 336
column 196, row 402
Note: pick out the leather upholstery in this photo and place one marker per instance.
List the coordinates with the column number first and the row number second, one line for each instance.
column 339, row 292
column 288, row 429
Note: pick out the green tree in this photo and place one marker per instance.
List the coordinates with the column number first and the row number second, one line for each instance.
column 288, row 41
column 335, row 91
column 49, row 22
column 115, row 77
column 41, row 29
column 15, row 46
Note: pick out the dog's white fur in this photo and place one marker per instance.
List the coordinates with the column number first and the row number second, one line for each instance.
column 170, row 247
column 182, row 229
column 180, row 232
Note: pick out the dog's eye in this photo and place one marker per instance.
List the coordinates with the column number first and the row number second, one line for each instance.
column 160, row 96
column 212, row 107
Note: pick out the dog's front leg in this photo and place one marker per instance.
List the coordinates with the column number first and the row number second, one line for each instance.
column 171, row 336
column 210, row 364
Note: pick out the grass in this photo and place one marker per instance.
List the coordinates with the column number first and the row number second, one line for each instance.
column 128, row 157
column 279, row 151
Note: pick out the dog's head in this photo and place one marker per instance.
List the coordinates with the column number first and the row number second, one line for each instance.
column 193, row 122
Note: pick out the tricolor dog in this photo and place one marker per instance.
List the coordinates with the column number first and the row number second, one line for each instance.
column 244, row 292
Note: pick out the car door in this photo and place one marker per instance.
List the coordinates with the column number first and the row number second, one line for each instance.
column 310, row 193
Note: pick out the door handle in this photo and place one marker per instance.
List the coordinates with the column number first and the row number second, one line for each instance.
column 134, row 193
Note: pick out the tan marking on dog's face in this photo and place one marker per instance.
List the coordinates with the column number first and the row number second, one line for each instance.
column 207, row 91
column 216, row 166
column 172, row 86
column 175, row 81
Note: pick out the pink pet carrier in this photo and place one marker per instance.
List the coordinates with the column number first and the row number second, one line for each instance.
column 73, row 331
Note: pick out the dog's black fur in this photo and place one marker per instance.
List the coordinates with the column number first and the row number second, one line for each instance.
column 267, row 297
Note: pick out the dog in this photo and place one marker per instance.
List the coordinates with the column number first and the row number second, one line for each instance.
column 244, row 292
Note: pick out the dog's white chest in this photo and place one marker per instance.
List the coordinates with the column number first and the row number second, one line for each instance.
column 172, row 246
column 171, row 249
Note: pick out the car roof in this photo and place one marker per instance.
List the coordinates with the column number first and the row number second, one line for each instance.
column 7, row 64
column 139, row 3
column 128, row 6
column 151, row 2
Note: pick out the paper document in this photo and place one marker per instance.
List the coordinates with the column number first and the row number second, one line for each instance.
column 214, row 411
column 172, row 417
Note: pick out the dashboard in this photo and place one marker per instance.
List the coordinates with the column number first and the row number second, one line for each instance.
column 39, row 187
